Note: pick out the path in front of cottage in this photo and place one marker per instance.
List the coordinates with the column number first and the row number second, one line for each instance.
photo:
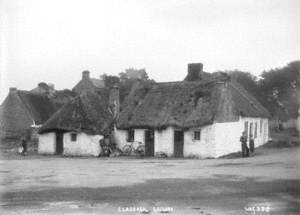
column 265, row 184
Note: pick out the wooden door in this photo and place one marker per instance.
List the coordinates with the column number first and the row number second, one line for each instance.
column 149, row 143
column 59, row 142
column 178, row 143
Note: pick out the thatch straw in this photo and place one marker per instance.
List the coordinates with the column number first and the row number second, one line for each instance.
column 86, row 113
column 188, row 104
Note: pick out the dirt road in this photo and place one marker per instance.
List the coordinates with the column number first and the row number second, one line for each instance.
column 265, row 184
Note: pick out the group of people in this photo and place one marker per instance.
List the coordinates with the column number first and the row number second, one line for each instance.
column 247, row 151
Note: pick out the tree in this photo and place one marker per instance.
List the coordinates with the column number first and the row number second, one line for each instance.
column 134, row 74
column 247, row 80
column 280, row 89
column 110, row 80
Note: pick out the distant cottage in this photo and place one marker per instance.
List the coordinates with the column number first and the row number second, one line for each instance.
column 203, row 118
column 89, row 84
column 77, row 127
column 23, row 110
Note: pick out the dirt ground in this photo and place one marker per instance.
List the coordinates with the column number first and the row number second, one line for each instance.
column 265, row 184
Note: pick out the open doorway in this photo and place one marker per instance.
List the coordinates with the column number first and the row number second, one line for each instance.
column 178, row 143
column 149, row 143
column 59, row 143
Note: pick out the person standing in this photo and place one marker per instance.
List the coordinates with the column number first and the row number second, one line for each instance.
column 24, row 145
column 251, row 144
column 243, row 141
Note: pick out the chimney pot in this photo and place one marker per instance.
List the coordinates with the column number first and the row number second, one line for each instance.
column 195, row 67
column 12, row 89
column 85, row 75
column 194, row 72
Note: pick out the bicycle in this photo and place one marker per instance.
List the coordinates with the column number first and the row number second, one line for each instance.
column 134, row 148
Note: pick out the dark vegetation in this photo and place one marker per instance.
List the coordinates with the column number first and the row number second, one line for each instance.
column 277, row 89
column 126, row 80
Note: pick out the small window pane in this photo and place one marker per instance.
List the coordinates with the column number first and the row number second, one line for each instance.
column 130, row 136
column 197, row 135
column 73, row 137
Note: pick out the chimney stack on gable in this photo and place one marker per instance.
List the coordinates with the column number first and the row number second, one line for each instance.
column 12, row 90
column 85, row 75
column 194, row 72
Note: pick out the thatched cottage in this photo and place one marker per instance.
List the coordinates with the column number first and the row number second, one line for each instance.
column 89, row 84
column 77, row 127
column 203, row 118
column 22, row 110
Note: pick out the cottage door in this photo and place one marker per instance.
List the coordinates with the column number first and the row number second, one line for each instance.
column 149, row 142
column 178, row 143
column 59, row 142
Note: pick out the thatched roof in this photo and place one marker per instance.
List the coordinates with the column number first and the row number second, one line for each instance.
column 188, row 104
column 61, row 97
column 40, row 107
column 87, row 113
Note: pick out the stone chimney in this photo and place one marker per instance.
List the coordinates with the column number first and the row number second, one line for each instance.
column 114, row 100
column 12, row 90
column 85, row 75
column 194, row 72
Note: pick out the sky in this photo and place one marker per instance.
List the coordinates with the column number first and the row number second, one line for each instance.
column 55, row 40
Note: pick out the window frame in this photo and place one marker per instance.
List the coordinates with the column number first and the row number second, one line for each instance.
column 255, row 129
column 197, row 135
column 73, row 136
column 130, row 135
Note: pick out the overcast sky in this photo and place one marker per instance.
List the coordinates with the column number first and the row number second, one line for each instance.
column 54, row 40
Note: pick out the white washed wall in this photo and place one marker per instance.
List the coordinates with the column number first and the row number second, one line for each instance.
column 139, row 135
column 216, row 140
column 203, row 148
column 85, row 145
column 120, row 137
column 164, row 141
column 47, row 143
column 263, row 134
column 228, row 135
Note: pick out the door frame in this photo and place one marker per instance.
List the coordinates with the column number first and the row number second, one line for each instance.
column 149, row 142
column 178, row 145
column 59, row 142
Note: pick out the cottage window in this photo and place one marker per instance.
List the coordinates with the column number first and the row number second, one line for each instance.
column 130, row 135
column 197, row 135
column 255, row 130
column 261, row 127
column 73, row 137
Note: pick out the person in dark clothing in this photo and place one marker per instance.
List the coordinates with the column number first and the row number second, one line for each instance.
column 251, row 144
column 24, row 145
column 243, row 140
